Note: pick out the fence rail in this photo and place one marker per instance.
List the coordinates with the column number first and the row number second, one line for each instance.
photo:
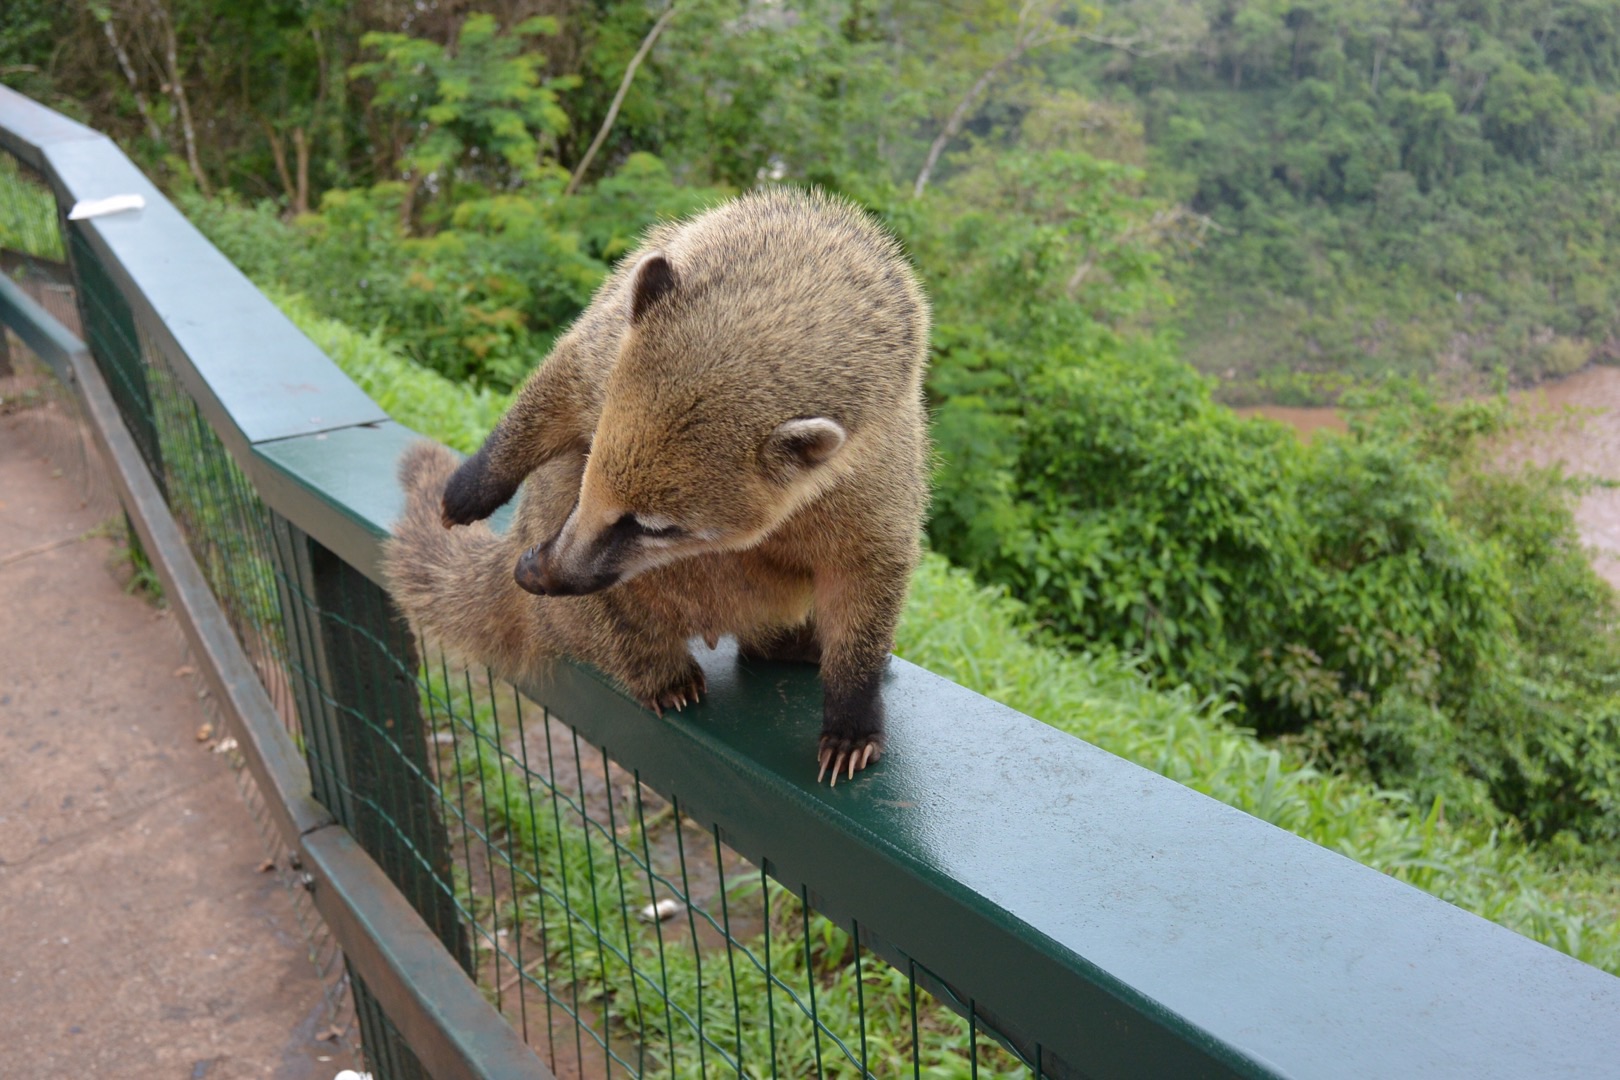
column 994, row 895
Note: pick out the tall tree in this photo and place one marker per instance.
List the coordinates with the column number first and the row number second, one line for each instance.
column 479, row 108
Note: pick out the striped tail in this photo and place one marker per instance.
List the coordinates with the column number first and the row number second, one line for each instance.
column 455, row 584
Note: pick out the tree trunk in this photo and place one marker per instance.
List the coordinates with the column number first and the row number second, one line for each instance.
column 128, row 69
column 177, row 89
column 407, row 204
column 301, row 167
column 618, row 98
column 278, row 154
column 959, row 115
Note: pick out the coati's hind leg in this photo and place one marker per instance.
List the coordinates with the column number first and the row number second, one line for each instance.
column 783, row 644
column 650, row 657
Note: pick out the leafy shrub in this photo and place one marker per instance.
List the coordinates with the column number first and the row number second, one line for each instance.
column 1377, row 598
column 480, row 298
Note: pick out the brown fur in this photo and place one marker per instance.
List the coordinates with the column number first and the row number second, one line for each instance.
column 750, row 384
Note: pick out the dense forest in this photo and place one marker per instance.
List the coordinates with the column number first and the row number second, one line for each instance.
column 1378, row 201
column 1419, row 187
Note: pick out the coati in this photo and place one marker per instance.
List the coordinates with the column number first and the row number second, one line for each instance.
column 730, row 439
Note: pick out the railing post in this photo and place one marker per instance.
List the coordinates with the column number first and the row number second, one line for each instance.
column 354, row 681
column 354, row 678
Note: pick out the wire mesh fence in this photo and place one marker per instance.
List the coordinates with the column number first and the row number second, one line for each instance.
column 54, row 424
column 620, row 936
column 623, row 938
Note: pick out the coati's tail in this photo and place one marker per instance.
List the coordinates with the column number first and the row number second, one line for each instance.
column 455, row 585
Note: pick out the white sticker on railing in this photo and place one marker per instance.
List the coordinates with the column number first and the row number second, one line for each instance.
column 113, row 204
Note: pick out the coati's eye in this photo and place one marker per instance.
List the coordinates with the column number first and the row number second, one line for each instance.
column 655, row 528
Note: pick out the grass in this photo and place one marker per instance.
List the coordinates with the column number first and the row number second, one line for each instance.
column 27, row 214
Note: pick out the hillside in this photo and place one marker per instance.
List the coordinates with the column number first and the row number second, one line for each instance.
column 1423, row 187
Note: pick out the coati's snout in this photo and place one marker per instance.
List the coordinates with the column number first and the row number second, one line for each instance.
column 535, row 573
column 571, row 564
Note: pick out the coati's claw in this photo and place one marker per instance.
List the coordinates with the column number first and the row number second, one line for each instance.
column 848, row 755
column 689, row 691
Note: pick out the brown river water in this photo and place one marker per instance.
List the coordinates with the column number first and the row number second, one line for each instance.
column 1588, row 445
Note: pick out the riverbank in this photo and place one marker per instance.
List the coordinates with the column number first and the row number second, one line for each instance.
column 1586, row 443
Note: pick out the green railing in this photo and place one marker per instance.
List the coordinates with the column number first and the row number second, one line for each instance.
column 994, row 897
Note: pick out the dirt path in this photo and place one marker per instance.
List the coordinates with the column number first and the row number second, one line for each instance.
column 138, row 937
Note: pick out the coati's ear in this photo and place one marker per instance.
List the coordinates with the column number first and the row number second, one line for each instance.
column 655, row 279
column 803, row 444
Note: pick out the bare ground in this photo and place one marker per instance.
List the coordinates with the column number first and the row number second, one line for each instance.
column 138, row 935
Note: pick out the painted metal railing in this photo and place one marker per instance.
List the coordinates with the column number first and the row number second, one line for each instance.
column 550, row 877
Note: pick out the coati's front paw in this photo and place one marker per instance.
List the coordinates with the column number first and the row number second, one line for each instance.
column 847, row 752
column 677, row 695
column 473, row 492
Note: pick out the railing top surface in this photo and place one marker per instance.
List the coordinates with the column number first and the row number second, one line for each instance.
column 27, row 128
column 1128, row 919
column 255, row 375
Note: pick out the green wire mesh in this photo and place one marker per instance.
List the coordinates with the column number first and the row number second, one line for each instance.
column 624, row 939
column 28, row 223
column 617, row 934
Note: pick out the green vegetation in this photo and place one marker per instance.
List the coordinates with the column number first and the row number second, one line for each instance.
column 1409, row 187
column 1378, row 184
column 27, row 214
column 1298, row 195
column 1406, row 612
